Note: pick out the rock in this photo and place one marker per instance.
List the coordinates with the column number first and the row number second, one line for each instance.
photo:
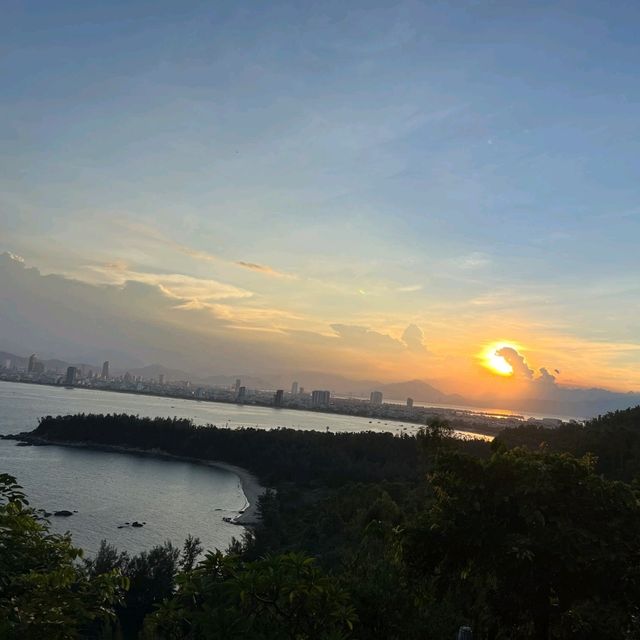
column 121, row 526
column 64, row 513
column 47, row 514
column 136, row 524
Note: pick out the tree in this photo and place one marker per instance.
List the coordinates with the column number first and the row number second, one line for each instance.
column 44, row 591
column 151, row 577
column 283, row 597
column 531, row 545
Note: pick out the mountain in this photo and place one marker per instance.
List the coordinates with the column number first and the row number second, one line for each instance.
column 50, row 364
column 420, row 391
column 545, row 397
column 154, row 371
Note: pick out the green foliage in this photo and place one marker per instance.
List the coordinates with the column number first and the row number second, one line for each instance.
column 281, row 597
column 531, row 545
column 614, row 440
column 44, row 593
column 410, row 537
column 151, row 577
column 306, row 458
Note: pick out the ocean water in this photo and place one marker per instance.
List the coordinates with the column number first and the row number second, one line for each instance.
column 174, row 498
column 107, row 490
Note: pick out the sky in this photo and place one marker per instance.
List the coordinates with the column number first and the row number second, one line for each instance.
column 385, row 190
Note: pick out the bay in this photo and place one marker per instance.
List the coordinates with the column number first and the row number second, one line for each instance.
column 109, row 489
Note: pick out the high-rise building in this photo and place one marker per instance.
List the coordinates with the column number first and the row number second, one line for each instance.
column 238, row 383
column 242, row 394
column 301, row 391
column 409, row 403
column 294, row 389
column 128, row 377
column 33, row 358
column 7, row 364
column 105, row 370
column 71, row 375
column 277, row 399
column 320, row 398
column 376, row 397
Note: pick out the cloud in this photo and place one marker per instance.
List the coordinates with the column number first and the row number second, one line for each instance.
column 265, row 269
column 361, row 337
column 413, row 337
column 409, row 288
column 185, row 288
column 475, row 260
column 517, row 362
column 155, row 236
column 546, row 377
column 15, row 257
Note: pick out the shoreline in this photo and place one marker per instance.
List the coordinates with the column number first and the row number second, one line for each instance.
column 462, row 425
column 248, row 516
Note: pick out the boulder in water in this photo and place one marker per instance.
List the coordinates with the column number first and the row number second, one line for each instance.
column 63, row 513
column 137, row 524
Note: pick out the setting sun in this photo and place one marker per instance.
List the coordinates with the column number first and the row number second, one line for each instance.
column 494, row 362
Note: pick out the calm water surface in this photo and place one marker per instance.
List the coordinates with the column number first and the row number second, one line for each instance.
column 109, row 489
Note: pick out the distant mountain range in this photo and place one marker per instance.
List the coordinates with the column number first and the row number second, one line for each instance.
column 51, row 364
column 551, row 400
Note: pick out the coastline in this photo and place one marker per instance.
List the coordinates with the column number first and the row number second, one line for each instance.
column 464, row 426
column 248, row 516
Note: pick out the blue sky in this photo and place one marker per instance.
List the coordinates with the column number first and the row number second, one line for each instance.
column 467, row 167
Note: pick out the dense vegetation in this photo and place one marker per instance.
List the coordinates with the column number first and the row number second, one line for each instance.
column 365, row 536
column 614, row 440
column 276, row 456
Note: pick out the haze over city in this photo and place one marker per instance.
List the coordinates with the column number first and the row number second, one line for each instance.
column 392, row 193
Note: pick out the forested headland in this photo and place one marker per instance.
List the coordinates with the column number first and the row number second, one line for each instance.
column 534, row 536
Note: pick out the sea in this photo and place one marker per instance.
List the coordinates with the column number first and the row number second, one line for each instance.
column 106, row 490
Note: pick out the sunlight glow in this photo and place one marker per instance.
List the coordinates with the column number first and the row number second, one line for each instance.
column 490, row 359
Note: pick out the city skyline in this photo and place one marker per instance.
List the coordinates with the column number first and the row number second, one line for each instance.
column 400, row 193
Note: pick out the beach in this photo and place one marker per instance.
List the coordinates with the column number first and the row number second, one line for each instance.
column 251, row 487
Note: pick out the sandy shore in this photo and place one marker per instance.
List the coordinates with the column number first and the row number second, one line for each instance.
column 251, row 487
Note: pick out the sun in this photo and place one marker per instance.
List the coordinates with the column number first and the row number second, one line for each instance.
column 490, row 359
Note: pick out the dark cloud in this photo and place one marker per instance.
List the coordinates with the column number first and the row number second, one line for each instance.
column 546, row 377
column 67, row 318
column 517, row 362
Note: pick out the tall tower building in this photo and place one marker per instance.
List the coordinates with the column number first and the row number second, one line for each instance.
column 33, row 358
column 105, row 369
column 71, row 375
column 409, row 403
column 376, row 397
column 238, row 383
column 277, row 400
column 294, row 389
column 320, row 398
